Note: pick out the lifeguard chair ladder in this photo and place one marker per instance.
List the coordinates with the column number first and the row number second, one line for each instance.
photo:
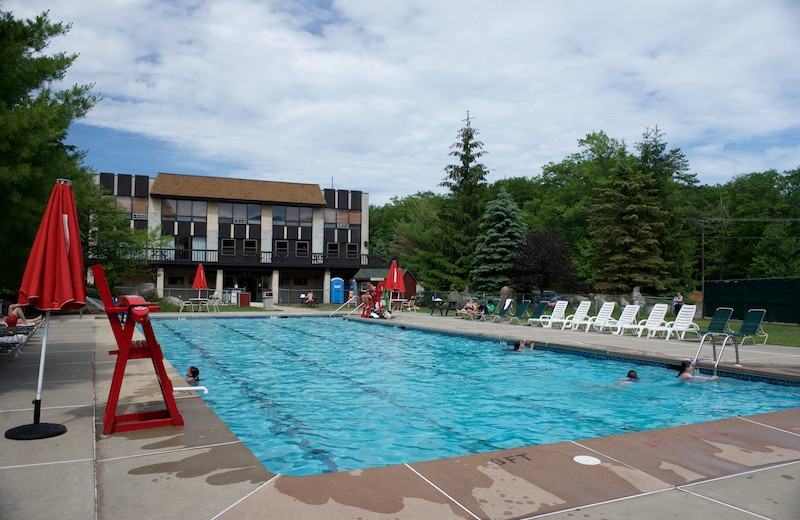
column 135, row 311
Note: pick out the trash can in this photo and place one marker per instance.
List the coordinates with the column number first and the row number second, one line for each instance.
column 268, row 300
column 244, row 299
column 337, row 290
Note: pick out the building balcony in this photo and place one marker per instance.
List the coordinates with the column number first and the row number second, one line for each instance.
column 165, row 257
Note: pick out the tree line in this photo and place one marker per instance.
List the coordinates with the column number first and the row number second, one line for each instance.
column 604, row 219
column 35, row 115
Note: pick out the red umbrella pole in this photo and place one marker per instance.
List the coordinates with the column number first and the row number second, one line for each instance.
column 37, row 403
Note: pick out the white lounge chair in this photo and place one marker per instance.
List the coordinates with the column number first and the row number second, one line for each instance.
column 654, row 320
column 603, row 318
column 626, row 320
column 683, row 323
column 557, row 316
column 580, row 317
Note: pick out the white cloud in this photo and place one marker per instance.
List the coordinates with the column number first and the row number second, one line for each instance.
column 372, row 93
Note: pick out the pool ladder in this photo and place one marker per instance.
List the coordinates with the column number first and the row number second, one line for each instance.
column 354, row 298
column 714, row 349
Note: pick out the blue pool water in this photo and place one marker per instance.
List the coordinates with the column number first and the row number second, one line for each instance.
column 315, row 395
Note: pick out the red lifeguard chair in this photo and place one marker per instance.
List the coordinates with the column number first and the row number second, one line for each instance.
column 135, row 310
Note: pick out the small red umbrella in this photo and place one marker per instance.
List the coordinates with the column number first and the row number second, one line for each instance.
column 199, row 279
column 394, row 280
column 53, row 280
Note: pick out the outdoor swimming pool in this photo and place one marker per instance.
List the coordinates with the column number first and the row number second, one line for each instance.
column 315, row 395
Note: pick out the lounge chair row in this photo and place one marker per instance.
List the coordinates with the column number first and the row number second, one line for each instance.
column 12, row 339
column 602, row 322
column 655, row 324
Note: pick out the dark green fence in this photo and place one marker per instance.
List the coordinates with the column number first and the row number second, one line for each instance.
column 779, row 296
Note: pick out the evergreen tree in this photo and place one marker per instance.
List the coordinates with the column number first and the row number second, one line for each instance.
column 626, row 223
column 501, row 231
column 678, row 236
column 467, row 184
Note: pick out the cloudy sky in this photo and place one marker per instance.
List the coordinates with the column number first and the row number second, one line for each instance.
column 370, row 94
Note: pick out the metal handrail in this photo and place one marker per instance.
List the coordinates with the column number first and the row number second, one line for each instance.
column 347, row 303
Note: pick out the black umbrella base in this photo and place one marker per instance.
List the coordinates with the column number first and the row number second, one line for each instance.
column 29, row 432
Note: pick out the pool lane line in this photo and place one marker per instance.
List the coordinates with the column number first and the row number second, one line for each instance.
column 378, row 392
column 283, row 425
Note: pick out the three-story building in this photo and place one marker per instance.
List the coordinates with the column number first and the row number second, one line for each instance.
column 251, row 236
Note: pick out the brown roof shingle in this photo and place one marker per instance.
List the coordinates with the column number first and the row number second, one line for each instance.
column 219, row 188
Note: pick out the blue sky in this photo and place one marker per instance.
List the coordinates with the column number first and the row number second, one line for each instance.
column 370, row 94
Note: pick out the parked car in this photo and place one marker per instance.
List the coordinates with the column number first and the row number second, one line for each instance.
column 551, row 298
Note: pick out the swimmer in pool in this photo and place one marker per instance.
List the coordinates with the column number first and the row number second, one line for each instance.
column 686, row 372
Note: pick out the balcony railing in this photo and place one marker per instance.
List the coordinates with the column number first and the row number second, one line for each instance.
column 167, row 256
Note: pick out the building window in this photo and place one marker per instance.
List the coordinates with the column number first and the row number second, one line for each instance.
column 250, row 246
column 299, row 282
column 302, row 249
column 281, row 246
column 199, row 249
column 299, row 216
column 228, row 246
column 239, row 213
column 332, row 249
column 183, row 210
column 342, row 218
column 352, row 250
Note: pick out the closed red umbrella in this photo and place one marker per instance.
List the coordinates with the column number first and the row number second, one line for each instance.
column 199, row 279
column 53, row 280
column 394, row 280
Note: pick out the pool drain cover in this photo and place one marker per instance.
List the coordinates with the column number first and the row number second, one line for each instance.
column 586, row 460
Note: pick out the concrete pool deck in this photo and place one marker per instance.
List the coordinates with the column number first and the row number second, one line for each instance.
column 745, row 467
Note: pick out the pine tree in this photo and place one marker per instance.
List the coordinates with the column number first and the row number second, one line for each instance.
column 626, row 223
column 500, row 232
column 467, row 184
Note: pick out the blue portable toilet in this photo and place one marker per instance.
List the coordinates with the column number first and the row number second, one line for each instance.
column 337, row 290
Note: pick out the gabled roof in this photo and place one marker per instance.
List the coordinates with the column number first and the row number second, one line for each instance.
column 219, row 188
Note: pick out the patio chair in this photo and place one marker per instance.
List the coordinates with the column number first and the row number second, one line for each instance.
column 410, row 304
column 750, row 327
column 717, row 327
column 557, row 316
column 603, row 318
column 538, row 311
column 185, row 303
column 504, row 309
column 11, row 341
column 626, row 320
column 522, row 308
column 683, row 323
column 580, row 316
column 213, row 302
column 654, row 320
